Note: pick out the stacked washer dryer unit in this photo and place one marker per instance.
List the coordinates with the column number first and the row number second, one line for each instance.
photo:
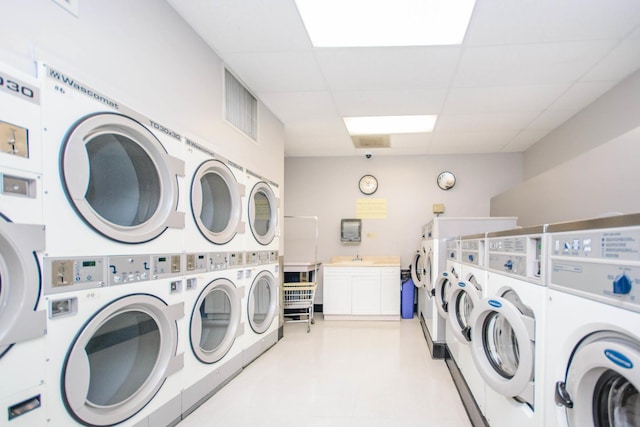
column 113, row 268
column 213, row 243
column 464, row 296
column 507, row 328
column 22, row 240
column 436, row 234
column 593, row 334
column 262, row 275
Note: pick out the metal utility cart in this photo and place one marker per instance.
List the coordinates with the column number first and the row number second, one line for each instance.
column 298, row 296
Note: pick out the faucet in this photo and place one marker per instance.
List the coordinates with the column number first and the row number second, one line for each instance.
column 357, row 257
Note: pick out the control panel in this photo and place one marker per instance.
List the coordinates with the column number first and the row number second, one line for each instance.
column 518, row 256
column 599, row 264
column 195, row 263
column 472, row 251
column 129, row 269
column 167, row 265
column 451, row 246
column 70, row 274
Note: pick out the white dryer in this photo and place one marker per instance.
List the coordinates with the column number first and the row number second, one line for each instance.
column 507, row 328
column 436, row 233
column 113, row 177
column 215, row 328
column 113, row 355
column 593, row 333
column 22, row 241
column 262, row 282
column 465, row 294
column 217, row 199
column 263, row 209
column 445, row 285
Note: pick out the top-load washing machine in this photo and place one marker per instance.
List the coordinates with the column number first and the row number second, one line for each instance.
column 217, row 198
column 507, row 328
column 22, row 241
column 113, row 176
column 436, row 233
column 263, row 207
column 593, row 333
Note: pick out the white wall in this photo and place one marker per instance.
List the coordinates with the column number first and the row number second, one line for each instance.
column 328, row 188
column 144, row 55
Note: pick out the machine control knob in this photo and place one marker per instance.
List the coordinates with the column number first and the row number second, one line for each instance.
column 508, row 265
column 621, row 285
column 471, row 257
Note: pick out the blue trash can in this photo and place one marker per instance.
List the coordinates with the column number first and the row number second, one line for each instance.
column 406, row 300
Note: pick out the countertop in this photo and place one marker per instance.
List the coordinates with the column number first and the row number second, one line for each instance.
column 365, row 261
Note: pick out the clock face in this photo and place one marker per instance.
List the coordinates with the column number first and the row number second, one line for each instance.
column 368, row 184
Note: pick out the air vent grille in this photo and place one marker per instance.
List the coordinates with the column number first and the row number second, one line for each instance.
column 371, row 141
column 241, row 107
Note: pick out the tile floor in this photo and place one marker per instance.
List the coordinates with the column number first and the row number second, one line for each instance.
column 341, row 374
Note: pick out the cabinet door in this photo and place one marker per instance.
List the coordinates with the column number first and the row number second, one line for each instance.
column 336, row 293
column 390, row 290
column 365, row 292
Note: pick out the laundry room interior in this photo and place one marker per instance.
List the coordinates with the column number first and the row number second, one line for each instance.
column 193, row 232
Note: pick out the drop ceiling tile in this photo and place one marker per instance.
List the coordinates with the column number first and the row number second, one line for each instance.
column 509, row 22
column 294, row 107
column 550, row 119
column 502, row 99
column 471, row 142
column 388, row 68
column 413, row 141
column 581, row 94
column 389, row 102
column 621, row 62
column 484, row 121
column 524, row 140
column 528, row 64
column 316, row 136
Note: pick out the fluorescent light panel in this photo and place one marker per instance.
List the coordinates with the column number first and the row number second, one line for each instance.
column 389, row 125
column 359, row 23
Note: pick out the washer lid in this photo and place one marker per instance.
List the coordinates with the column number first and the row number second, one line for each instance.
column 20, row 283
column 120, row 179
column 263, row 213
column 464, row 297
column 262, row 302
column 603, row 380
column 502, row 345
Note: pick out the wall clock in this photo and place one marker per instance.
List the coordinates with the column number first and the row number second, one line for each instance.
column 368, row 184
column 446, row 180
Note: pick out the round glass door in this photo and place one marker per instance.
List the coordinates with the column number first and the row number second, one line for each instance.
column 418, row 270
column 120, row 359
column 262, row 302
column 502, row 329
column 603, row 380
column 215, row 321
column 120, row 179
column 20, row 283
column 429, row 273
column 216, row 202
column 263, row 213
column 443, row 290
column 465, row 295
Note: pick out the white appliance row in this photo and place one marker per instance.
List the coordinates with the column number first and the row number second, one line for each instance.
column 544, row 323
column 138, row 269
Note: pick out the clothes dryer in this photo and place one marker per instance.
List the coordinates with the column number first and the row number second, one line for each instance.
column 449, row 278
column 465, row 294
column 262, row 281
column 214, row 306
column 217, row 200
column 507, row 328
column 113, row 177
column 262, row 214
column 436, row 233
column 113, row 344
column 593, row 338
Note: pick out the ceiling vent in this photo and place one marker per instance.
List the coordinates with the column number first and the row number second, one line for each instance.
column 371, row 141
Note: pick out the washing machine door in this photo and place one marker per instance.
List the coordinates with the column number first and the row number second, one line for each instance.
column 120, row 359
column 428, row 273
column 263, row 213
column 417, row 270
column 216, row 202
column 262, row 302
column 120, row 179
column 20, row 320
column 602, row 382
column 464, row 296
column 215, row 321
column 442, row 291
column 502, row 342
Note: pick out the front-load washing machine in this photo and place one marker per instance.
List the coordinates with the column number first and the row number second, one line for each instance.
column 436, row 233
column 464, row 296
column 217, row 196
column 22, row 241
column 448, row 279
column 113, row 177
column 262, row 214
column 593, row 332
column 214, row 309
column 113, row 345
column 262, row 282
column 507, row 328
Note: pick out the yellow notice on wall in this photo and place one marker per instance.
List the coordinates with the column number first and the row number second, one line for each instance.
column 371, row 208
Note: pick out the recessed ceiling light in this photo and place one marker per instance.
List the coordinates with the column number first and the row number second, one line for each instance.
column 357, row 23
column 389, row 125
